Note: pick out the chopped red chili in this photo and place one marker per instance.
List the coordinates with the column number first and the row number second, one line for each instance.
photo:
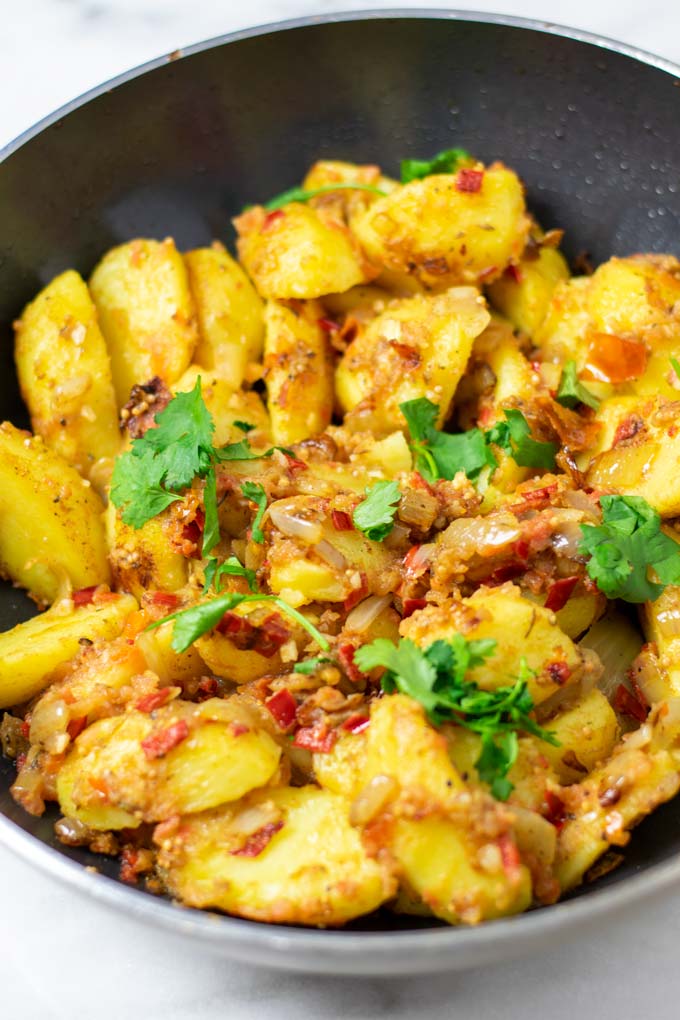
column 84, row 596
column 238, row 729
column 208, row 687
column 165, row 599
column 509, row 855
column 341, row 520
column 627, row 703
column 283, row 707
column 25, row 728
column 193, row 530
column 157, row 745
column 628, row 428
column 418, row 482
column 559, row 593
column 356, row 595
column 410, row 606
column 316, row 738
column 469, row 181
column 294, row 464
column 271, row 218
column 129, row 861
column 270, row 636
column 346, row 660
column 515, row 568
column 150, row 702
column 559, row 672
column 555, row 811
column 514, row 273
column 415, row 562
column 255, row 844
column 76, row 727
column 328, row 325
column 356, row 723
column 535, row 498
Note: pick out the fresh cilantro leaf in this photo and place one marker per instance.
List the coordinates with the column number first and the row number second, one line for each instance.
column 571, row 392
column 239, row 451
column 190, row 624
column 214, row 572
column 256, row 494
column 436, row 677
column 136, row 487
column 514, row 437
column 182, row 438
column 310, row 665
column 244, row 426
column 421, row 417
column 442, row 454
column 374, row 516
column 675, row 365
column 446, row 162
column 211, row 527
column 623, row 548
column 304, row 194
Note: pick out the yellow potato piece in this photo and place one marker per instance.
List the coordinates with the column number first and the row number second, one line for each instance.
column 51, row 529
column 229, row 314
column 444, row 235
column 587, row 732
column 524, row 296
column 223, row 757
column 312, row 871
column 146, row 313
column 32, row 650
column 298, row 371
column 65, row 374
column 295, row 252
column 417, row 347
column 142, row 558
column 228, row 405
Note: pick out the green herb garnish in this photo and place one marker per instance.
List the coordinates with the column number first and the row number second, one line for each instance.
column 256, row 494
column 211, row 526
column 305, row 194
column 435, row 677
column 623, row 548
column 190, row 624
column 571, row 392
column 374, row 516
column 675, row 364
column 215, row 571
column 514, row 437
column 446, row 162
column 310, row 665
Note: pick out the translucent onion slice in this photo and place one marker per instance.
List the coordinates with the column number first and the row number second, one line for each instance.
column 289, row 524
column 617, row 642
column 363, row 615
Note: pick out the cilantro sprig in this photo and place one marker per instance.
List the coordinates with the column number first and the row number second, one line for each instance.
column 436, row 677
column 445, row 162
column 625, row 546
column 254, row 492
column 374, row 516
column 442, row 454
column 192, row 623
column 215, row 571
column 305, row 194
column 571, row 392
column 311, row 665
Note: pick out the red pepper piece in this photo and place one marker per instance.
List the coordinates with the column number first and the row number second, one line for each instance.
column 208, row 687
column 157, row 745
column 271, row 635
column 341, row 520
column 293, row 464
column 150, row 702
column 559, row 593
column 356, row 723
column 559, row 672
column 84, row 596
column 356, row 595
column 316, row 738
column 271, row 218
column 555, row 811
column 346, row 660
column 193, row 530
column 535, row 498
column 514, row 273
column 283, row 707
column 628, row 704
column 410, row 606
column 506, row 573
column 164, row 599
column 256, row 843
column 328, row 325
column 418, row 482
column 76, row 727
column 234, row 626
column 25, row 728
column 469, row 181
column 415, row 563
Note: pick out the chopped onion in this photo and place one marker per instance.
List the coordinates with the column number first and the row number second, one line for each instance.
column 480, row 535
column 330, row 554
column 567, row 538
column 49, row 721
column 578, row 500
column 371, row 800
column 617, row 642
column 296, row 527
column 363, row 615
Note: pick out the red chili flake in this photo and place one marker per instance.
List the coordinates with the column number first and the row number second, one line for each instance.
column 415, row 563
column 560, row 592
column 157, row 745
column 271, row 635
column 76, row 727
column 357, row 594
column 208, row 687
column 489, row 271
column 559, row 672
column 356, row 723
column 271, row 218
column 555, row 811
column 238, row 729
column 129, row 860
column 506, row 573
column 410, row 356
column 316, row 738
column 346, row 660
column 514, row 273
column 84, row 596
column 234, row 626
column 293, row 464
column 150, row 702
column 521, row 549
column 283, row 707
column 535, row 498
column 328, row 325
column 164, row 599
column 418, row 482
column 341, row 520
column 627, row 704
column 614, row 359
column 410, row 606
column 26, row 728
column 256, row 843
column 469, row 181
column 628, row 428
column 193, row 530
column 509, row 855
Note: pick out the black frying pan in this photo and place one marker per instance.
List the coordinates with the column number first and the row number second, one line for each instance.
column 180, row 146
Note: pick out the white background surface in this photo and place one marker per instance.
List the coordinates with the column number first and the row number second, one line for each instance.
column 60, row 955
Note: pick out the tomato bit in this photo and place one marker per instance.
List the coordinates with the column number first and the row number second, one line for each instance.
column 316, row 738
column 157, row 745
column 410, row 606
column 356, row 723
column 283, row 707
column 560, row 592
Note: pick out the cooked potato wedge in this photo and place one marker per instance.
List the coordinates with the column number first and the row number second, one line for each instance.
column 143, row 558
column 523, row 294
column 65, row 374
column 31, row 651
column 51, row 528
column 146, row 313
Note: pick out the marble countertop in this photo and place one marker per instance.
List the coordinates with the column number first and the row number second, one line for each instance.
column 60, row 953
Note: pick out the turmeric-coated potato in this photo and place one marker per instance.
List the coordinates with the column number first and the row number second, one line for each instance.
column 51, row 529
column 65, row 374
column 228, row 405
column 298, row 252
column 523, row 293
column 228, row 311
column 448, row 228
column 146, row 313
column 298, row 371
column 288, row 856
column 417, row 347
column 144, row 558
